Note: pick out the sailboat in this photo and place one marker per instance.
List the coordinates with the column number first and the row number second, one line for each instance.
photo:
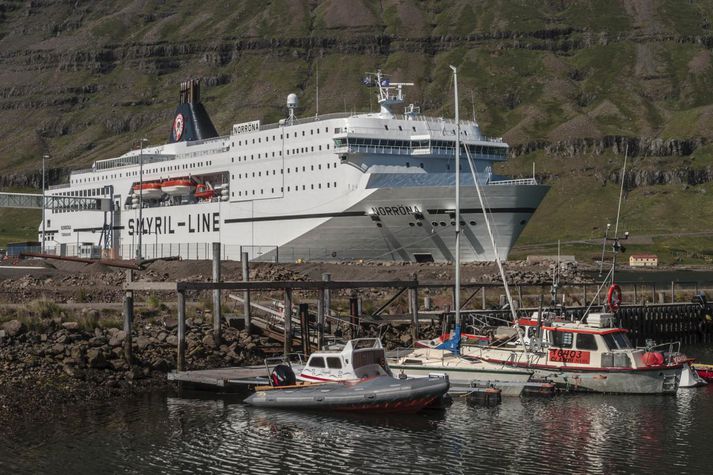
column 445, row 357
column 591, row 354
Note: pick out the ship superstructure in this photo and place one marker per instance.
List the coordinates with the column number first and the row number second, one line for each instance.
column 373, row 186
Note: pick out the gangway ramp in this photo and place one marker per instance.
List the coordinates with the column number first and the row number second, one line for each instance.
column 54, row 202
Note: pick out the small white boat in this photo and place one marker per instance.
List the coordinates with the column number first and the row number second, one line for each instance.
column 463, row 373
column 360, row 358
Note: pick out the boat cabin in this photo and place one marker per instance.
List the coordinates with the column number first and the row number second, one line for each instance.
column 360, row 358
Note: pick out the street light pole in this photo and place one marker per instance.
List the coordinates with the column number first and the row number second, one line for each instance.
column 44, row 157
column 140, row 227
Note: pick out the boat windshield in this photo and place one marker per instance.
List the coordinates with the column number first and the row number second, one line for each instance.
column 617, row 341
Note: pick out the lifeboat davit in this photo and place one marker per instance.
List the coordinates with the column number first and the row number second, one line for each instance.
column 178, row 187
column 148, row 191
column 204, row 193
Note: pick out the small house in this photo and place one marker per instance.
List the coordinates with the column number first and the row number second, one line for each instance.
column 643, row 260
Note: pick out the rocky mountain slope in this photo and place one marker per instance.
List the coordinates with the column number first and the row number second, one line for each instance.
column 570, row 85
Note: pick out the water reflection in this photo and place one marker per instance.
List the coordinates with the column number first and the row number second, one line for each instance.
column 567, row 434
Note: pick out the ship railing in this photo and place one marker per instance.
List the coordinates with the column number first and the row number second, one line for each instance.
column 58, row 187
column 308, row 120
column 518, row 181
column 204, row 141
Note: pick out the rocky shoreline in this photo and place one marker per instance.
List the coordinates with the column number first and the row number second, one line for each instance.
column 58, row 362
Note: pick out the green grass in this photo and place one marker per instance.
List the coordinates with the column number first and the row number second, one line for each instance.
column 18, row 225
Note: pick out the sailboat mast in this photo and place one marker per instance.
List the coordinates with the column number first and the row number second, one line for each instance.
column 457, row 214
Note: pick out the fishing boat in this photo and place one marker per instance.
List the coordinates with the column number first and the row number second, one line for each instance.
column 355, row 378
column 592, row 355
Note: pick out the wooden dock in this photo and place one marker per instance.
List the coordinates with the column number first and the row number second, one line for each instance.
column 233, row 379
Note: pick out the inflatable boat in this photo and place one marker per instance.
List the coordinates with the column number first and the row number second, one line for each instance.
column 381, row 394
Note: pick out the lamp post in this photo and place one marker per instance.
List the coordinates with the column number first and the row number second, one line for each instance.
column 44, row 205
column 140, row 227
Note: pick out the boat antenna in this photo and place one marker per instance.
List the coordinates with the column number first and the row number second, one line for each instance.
column 604, row 247
column 617, row 245
column 556, row 276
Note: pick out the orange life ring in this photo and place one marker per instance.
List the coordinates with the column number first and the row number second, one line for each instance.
column 614, row 297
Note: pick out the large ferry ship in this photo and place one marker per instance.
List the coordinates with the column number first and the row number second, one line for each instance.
column 371, row 186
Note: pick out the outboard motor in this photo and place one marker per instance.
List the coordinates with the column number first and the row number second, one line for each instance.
column 282, row 375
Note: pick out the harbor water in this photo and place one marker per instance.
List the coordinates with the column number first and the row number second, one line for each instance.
column 566, row 434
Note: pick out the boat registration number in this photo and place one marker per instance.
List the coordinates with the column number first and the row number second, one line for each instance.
column 569, row 356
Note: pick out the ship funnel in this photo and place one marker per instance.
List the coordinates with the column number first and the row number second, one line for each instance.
column 191, row 121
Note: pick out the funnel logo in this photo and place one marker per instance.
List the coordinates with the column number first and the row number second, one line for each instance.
column 178, row 126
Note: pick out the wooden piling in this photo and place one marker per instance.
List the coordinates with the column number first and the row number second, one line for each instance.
column 413, row 298
column 288, row 321
column 320, row 320
column 181, row 307
column 246, row 293
column 326, row 277
column 128, row 319
column 216, row 294
column 354, row 315
column 304, row 328
column 673, row 292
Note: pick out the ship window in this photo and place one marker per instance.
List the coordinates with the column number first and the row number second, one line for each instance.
column 320, row 147
column 311, row 167
column 316, row 362
column 304, row 168
column 562, row 339
column 311, row 132
column 281, row 137
column 408, row 165
column 414, row 129
column 304, row 187
column 252, row 157
column 282, row 189
column 259, row 173
column 327, row 146
column 260, row 190
column 312, row 187
column 253, row 174
column 334, row 362
column 273, row 153
column 328, row 165
column 327, row 184
column 253, row 192
column 272, row 190
column 253, row 140
column 400, row 128
column 273, row 172
column 288, row 135
column 288, row 188
column 303, row 133
column 319, row 185
column 259, row 140
column 586, row 341
column 233, row 177
column 335, row 184
column 319, row 167
column 273, row 138
column 386, row 127
column 421, row 165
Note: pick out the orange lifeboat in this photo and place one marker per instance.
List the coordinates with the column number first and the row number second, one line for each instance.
column 204, row 193
column 178, row 186
column 148, row 191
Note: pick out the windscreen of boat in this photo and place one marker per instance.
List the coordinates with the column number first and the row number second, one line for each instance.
column 367, row 357
column 617, row 341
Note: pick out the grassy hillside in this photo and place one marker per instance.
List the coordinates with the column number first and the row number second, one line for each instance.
column 84, row 80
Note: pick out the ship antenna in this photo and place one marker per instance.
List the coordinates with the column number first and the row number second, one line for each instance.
column 617, row 245
column 316, row 109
